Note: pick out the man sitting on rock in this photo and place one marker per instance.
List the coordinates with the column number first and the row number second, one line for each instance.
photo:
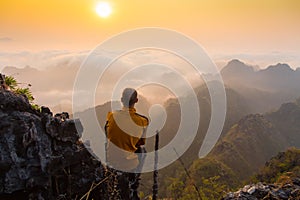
column 125, row 131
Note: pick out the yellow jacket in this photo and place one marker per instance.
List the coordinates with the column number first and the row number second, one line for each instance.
column 125, row 131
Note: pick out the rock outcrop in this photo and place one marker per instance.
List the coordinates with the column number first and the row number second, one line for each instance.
column 42, row 157
column 287, row 191
column 283, row 169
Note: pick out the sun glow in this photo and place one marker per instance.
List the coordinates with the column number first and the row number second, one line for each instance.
column 103, row 9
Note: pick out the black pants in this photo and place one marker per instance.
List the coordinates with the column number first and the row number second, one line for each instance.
column 128, row 184
column 124, row 185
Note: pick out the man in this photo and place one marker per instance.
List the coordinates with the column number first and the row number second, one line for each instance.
column 125, row 130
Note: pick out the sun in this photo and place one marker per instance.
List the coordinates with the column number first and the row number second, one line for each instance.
column 103, row 9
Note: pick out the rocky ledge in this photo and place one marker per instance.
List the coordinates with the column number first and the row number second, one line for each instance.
column 41, row 156
column 287, row 191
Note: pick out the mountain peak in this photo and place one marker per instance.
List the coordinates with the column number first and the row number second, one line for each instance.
column 16, row 70
column 280, row 67
column 253, row 123
column 235, row 61
column 289, row 108
column 292, row 110
column 235, row 66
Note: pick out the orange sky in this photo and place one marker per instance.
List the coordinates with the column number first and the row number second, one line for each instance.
column 220, row 26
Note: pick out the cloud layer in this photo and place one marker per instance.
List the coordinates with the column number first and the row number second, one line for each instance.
column 52, row 75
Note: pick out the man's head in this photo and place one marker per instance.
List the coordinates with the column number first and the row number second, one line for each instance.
column 129, row 97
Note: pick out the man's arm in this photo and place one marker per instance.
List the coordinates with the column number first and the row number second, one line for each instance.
column 108, row 118
column 105, row 128
column 142, row 140
column 145, row 123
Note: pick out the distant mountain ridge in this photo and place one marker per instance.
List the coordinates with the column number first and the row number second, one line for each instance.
column 252, row 141
column 264, row 89
column 248, row 145
column 274, row 77
column 239, row 154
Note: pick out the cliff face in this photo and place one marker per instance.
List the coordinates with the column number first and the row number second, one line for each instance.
column 41, row 157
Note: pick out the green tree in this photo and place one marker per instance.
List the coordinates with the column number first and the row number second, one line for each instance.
column 284, row 164
column 11, row 82
column 213, row 188
column 26, row 92
column 176, row 187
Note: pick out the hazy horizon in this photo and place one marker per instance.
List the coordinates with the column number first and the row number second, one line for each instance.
column 51, row 58
column 56, row 87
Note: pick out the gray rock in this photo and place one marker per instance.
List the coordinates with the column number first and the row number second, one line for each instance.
column 266, row 192
column 41, row 157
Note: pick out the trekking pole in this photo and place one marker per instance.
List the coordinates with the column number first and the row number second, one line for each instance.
column 106, row 141
column 188, row 174
column 155, row 172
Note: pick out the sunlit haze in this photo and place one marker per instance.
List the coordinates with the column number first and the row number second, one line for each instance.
column 221, row 26
column 103, row 9
column 50, row 34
